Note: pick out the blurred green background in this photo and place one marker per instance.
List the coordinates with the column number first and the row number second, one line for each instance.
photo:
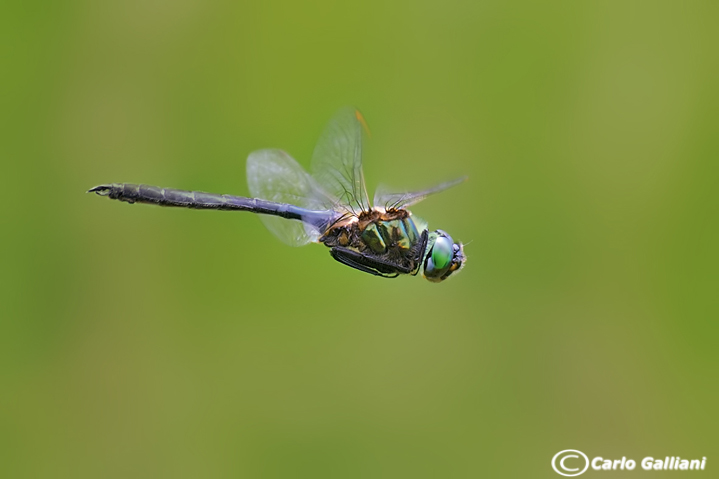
column 137, row 341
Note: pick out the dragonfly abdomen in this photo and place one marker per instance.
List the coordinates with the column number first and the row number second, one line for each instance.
column 132, row 193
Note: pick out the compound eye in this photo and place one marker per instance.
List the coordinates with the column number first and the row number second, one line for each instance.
column 442, row 252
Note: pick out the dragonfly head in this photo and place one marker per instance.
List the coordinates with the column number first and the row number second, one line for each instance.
column 442, row 257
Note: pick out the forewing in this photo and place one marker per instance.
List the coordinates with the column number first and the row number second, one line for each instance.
column 274, row 175
column 383, row 197
column 337, row 160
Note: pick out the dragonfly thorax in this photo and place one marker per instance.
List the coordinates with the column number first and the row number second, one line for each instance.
column 389, row 237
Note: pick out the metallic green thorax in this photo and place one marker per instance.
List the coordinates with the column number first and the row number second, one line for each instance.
column 387, row 241
column 400, row 233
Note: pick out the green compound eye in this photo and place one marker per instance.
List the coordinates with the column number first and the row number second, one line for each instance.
column 442, row 252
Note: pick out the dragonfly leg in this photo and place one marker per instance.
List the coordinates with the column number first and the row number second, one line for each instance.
column 419, row 252
column 366, row 263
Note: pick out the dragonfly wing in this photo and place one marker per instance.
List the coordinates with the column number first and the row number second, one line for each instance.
column 383, row 197
column 337, row 160
column 274, row 175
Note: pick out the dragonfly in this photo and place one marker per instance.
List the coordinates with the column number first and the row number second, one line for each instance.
column 329, row 206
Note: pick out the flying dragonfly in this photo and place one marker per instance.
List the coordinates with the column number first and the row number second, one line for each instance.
column 329, row 206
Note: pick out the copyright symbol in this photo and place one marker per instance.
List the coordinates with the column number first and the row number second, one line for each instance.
column 566, row 462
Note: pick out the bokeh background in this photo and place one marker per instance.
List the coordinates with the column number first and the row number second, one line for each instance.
column 138, row 341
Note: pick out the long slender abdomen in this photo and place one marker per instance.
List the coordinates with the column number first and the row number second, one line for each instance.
column 155, row 195
column 170, row 197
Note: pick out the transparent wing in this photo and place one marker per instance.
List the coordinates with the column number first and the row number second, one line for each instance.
column 388, row 200
column 274, row 175
column 337, row 160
